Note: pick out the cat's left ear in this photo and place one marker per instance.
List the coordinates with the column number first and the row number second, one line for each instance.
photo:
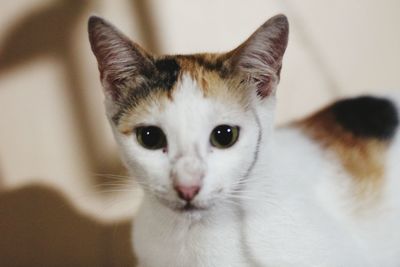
column 259, row 58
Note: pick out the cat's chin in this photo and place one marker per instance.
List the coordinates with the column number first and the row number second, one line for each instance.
column 191, row 212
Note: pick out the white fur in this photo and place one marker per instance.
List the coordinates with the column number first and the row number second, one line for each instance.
column 289, row 204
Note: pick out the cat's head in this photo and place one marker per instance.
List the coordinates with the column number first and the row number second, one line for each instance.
column 190, row 127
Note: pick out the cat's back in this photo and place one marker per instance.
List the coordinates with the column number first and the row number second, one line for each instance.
column 359, row 132
column 360, row 139
column 335, row 176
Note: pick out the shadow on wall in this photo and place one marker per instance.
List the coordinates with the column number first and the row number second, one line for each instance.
column 44, row 32
column 49, row 32
column 39, row 227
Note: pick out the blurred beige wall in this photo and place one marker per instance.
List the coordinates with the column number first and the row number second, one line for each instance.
column 53, row 129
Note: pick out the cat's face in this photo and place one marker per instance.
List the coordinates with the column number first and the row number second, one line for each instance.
column 190, row 155
column 189, row 126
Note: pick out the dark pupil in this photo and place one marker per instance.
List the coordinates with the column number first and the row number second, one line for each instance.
column 223, row 135
column 152, row 137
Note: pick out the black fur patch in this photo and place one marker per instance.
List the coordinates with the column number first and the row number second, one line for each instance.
column 161, row 75
column 167, row 73
column 367, row 116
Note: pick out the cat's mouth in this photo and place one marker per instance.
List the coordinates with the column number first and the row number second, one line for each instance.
column 190, row 207
column 183, row 206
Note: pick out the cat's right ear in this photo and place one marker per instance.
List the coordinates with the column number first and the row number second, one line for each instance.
column 121, row 62
column 259, row 58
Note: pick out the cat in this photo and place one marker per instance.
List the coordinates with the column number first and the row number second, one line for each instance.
column 222, row 186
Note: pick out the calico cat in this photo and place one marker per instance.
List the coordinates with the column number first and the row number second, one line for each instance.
column 222, row 187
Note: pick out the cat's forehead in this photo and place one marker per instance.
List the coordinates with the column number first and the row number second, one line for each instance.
column 212, row 75
column 178, row 82
column 204, row 63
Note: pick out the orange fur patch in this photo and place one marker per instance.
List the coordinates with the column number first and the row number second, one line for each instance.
column 363, row 158
column 214, row 77
column 135, row 115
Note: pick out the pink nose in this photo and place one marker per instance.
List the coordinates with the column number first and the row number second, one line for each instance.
column 187, row 192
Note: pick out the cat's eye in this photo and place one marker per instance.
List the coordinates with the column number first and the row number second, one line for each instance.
column 224, row 136
column 151, row 137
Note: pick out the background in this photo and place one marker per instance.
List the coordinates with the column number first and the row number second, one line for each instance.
column 63, row 198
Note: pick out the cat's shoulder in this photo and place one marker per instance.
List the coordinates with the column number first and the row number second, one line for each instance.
column 358, row 131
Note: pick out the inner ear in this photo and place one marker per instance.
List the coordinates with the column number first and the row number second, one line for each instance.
column 259, row 58
column 120, row 61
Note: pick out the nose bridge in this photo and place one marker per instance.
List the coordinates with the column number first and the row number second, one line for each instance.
column 186, row 141
column 188, row 170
